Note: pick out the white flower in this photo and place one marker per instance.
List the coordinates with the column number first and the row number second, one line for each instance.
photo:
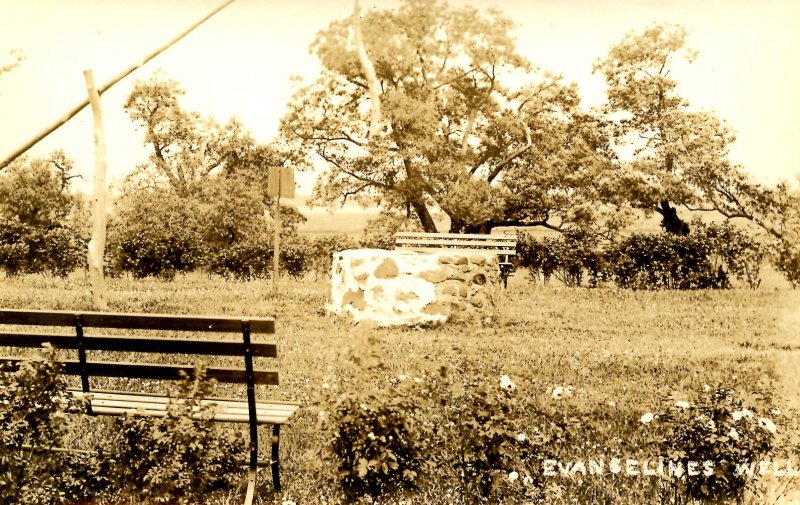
column 402, row 377
column 371, row 436
column 706, row 388
column 711, row 425
column 739, row 414
column 288, row 502
column 733, row 434
column 558, row 393
column 768, row 425
column 363, row 407
column 747, row 413
column 417, row 380
column 647, row 418
column 325, row 385
column 612, row 404
column 682, row 405
column 775, row 411
column 505, row 383
column 513, row 476
column 521, row 437
column 527, row 480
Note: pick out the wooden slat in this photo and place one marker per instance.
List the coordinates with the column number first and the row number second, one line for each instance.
column 156, row 371
column 136, row 321
column 215, row 347
column 498, row 252
column 123, row 403
column 157, row 397
column 465, row 236
column 460, row 243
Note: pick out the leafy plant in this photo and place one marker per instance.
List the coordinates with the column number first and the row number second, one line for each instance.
column 33, row 426
column 179, row 458
column 716, row 429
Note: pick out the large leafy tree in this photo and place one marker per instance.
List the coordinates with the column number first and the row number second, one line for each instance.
column 188, row 148
column 680, row 153
column 455, row 135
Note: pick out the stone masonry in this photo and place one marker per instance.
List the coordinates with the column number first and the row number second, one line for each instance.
column 403, row 287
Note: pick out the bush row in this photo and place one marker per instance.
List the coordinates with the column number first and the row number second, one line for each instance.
column 497, row 441
column 712, row 257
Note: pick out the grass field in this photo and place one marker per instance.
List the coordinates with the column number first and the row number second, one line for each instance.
column 623, row 352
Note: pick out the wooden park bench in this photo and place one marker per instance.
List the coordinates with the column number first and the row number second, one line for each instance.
column 117, row 403
column 504, row 246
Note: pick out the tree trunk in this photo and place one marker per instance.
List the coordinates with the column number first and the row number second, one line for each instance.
column 424, row 216
column 97, row 245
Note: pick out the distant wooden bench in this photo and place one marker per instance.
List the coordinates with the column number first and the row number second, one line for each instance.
column 117, row 403
column 504, row 246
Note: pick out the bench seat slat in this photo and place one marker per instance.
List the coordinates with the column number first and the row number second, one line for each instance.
column 135, row 321
column 499, row 252
column 123, row 403
column 160, row 398
column 216, row 347
column 156, row 371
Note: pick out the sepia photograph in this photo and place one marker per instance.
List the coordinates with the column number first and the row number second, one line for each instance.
column 399, row 252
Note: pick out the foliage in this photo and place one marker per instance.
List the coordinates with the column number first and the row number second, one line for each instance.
column 187, row 148
column 568, row 257
column 485, row 422
column 156, row 233
column 716, row 428
column 320, row 255
column 40, row 227
column 379, row 233
column 33, row 402
column 179, row 458
column 680, row 154
column 455, row 135
column 787, row 261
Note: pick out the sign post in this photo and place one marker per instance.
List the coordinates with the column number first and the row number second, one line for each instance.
column 280, row 182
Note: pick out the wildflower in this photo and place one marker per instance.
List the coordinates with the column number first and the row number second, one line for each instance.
column 647, row 418
column 325, row 385
column 288, row 502
column 739, row 414
column 402, row 377
column 527, row 480
column 682, row 405
column 711, row 425
column 513, row 476
column 612, row 404
column 558, row 393
column 371, row 436
column 775, row 411
column 706, row 388
column 521, row 437
column 417, row 380
column 733, row 434
column 363, row 407
column 505, row 383
column 768, row 425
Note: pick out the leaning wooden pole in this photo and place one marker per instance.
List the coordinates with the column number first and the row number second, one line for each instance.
column 97, row 245
column 74, row 111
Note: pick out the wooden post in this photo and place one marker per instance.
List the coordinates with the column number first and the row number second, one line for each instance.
column 276, row 242
column 97, row 245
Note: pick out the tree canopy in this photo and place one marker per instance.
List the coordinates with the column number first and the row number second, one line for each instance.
column 458, row 134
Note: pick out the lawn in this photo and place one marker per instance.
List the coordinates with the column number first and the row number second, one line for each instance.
column 623, row 353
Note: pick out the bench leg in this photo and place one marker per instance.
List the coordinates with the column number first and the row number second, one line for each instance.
column 276, row 477
column 251, row 486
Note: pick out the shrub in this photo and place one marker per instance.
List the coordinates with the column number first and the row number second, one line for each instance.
column 715, row 428
column 569, row 257
column 378, row 443
column 487, row 444
column 33, row 401
column 179, row 458
column 25, row 249
column 247, row 260
column 322, row 250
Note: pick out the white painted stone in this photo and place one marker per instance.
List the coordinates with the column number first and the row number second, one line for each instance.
column 398, row 294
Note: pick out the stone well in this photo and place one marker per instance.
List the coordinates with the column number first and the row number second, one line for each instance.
column 404, row 287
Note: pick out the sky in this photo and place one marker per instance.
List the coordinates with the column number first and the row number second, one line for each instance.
column 240, row 63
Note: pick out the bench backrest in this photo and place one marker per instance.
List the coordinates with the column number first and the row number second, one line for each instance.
column 78, row 341
column 502, row 245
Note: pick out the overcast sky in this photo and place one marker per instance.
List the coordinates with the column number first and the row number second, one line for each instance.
column 240, row 63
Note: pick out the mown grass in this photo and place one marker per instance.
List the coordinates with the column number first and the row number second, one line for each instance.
column 623, row 352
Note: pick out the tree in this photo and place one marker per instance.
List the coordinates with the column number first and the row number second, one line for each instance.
column 40, row 228
column 188, row 148
column 454, row 137
column 681, row 154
